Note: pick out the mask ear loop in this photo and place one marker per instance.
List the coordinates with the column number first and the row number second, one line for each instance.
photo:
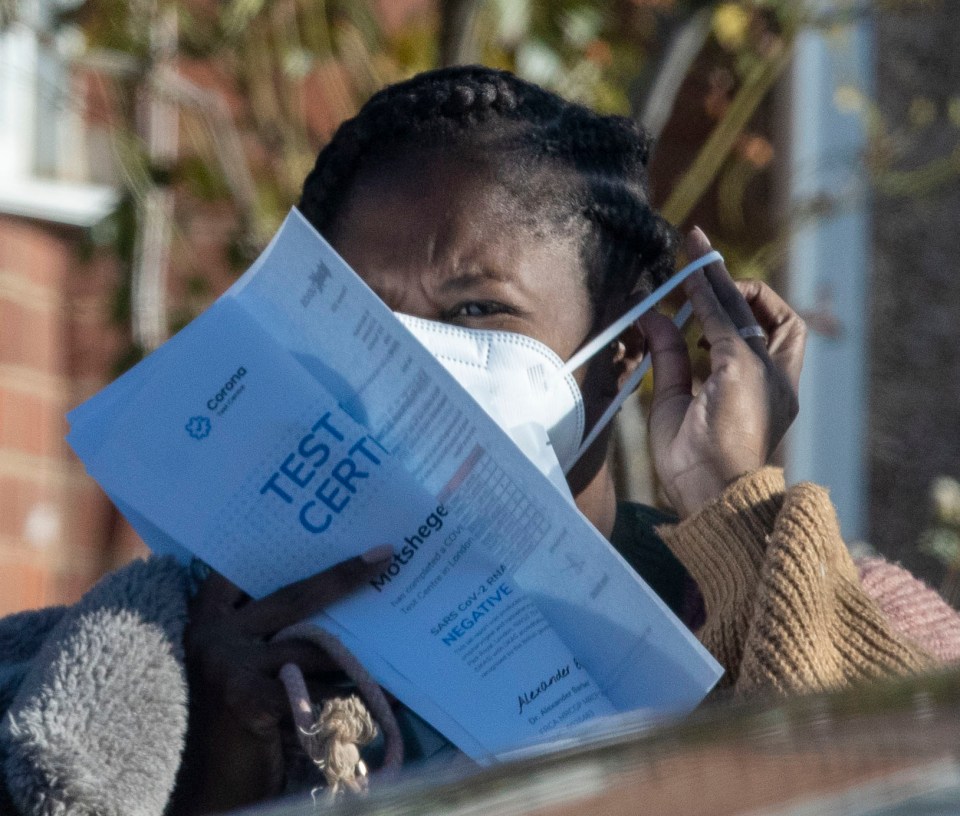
column 679, row 320
column 614, row 329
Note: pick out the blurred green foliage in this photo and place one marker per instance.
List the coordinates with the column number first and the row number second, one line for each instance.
column 941, row 539
column 279, row 59
column 260, row 86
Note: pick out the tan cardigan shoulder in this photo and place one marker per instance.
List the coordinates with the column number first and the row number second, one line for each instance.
column 785, row 609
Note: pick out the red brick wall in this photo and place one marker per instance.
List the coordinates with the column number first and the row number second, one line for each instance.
column 57, row 531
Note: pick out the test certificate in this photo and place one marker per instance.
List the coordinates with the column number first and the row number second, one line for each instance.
column 297, row 423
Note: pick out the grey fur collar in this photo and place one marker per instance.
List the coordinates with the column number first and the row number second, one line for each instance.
column 94, row 698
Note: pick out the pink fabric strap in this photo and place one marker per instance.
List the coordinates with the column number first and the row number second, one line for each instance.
column 367, row 687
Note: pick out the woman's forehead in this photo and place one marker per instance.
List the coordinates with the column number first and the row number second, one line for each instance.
column 429, row 249
column 456, row 219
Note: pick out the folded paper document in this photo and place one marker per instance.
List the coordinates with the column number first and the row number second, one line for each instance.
column 297, row 423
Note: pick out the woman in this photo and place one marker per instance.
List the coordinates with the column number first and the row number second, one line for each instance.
column 468, row 196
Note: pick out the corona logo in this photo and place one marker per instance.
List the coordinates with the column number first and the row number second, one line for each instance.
column 198, row 427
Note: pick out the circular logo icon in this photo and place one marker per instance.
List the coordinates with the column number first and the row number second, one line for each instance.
column 198, row 427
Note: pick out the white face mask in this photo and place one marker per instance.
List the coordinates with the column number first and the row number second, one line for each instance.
column 528, row 390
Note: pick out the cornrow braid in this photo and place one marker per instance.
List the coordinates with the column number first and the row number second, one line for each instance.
column 599, row 161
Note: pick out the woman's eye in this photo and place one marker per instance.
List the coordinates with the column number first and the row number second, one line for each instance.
column 477, row 308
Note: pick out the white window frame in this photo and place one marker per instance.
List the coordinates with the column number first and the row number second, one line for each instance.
column 41, row 133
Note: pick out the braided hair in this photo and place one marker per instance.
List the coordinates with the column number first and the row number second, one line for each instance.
column 591, row 168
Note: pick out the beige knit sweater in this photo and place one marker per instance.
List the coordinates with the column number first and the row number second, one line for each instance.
column 785, row 609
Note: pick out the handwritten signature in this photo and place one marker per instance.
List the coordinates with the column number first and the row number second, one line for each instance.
column 528, row 697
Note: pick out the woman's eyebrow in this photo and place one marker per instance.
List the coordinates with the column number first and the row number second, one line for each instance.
column 468, row 280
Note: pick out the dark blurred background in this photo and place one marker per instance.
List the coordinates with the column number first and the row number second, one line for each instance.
column 148, row 150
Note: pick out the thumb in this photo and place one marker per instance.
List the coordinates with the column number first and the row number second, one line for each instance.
column 672, row 374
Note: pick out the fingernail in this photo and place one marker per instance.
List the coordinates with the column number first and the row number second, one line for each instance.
column 376, row 554
column 698, row 234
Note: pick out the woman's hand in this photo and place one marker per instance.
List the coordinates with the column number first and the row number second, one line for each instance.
column 703, row 443
column 234, row 754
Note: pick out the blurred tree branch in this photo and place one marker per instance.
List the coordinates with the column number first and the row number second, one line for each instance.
column 714, row 153
column 8, row 12
column 156, row 206
column 684, row 38
column 458, row 24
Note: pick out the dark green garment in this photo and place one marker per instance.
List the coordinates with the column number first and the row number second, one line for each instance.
column 635, row 538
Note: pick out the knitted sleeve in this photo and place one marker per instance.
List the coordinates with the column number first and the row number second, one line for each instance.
column 785, row 609
column 914, row 610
